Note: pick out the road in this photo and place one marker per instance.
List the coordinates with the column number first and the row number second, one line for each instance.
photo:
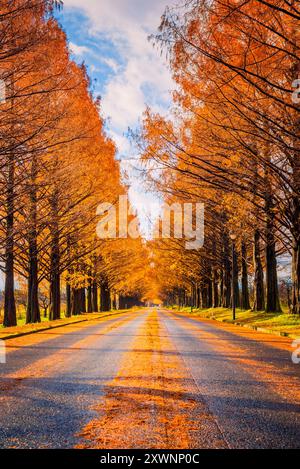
column 149, row 379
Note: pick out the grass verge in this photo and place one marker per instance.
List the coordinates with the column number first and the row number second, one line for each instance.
column 26, row 329
column 280, row 323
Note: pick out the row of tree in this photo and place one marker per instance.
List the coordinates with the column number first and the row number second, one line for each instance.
column 234, row 144
column 57, row 165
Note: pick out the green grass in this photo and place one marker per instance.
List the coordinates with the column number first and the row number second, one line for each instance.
column 29, row 328
column 279, row 322
column 22, row 328
column 21, row 316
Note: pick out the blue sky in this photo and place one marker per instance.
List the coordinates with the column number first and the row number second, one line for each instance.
column 110, row 36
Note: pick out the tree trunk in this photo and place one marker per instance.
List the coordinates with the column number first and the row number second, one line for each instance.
column 118, row 302
column 10, row 313
column 68, row 286
column 259, row 296
column 33, row 309
column 215, row 289
column 194, row 296
column 105, row 297
column 204, row 296
column 210, row 288
column 245, row 304
column 221, row 287
column 55, row 291
column 226, row 273
column 236, row 288
column 272, row 292
column 295, row 301
column 89, row 299
column 69, row 300
column 198, row 298
column 76, row 301
column 95, row 298
column 55, row 262
column 83, row 300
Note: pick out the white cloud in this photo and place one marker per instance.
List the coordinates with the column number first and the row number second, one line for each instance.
column 93, row 68
column 148, row 209
column 113, row 64
column 127, row 24
column 142, row 78
column 121, row 141
column 79, row 51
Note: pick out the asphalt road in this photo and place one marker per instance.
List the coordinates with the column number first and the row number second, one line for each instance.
column 149, row 380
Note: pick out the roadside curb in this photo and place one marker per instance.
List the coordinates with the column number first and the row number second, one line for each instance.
column 55, row 326
column 253, row 328
column 258, row 328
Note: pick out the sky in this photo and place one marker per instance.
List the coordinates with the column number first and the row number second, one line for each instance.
column 111, row 37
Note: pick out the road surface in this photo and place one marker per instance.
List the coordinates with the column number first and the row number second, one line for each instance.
column 149, row 379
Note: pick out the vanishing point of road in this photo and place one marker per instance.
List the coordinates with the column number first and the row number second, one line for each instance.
column 149, row 379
